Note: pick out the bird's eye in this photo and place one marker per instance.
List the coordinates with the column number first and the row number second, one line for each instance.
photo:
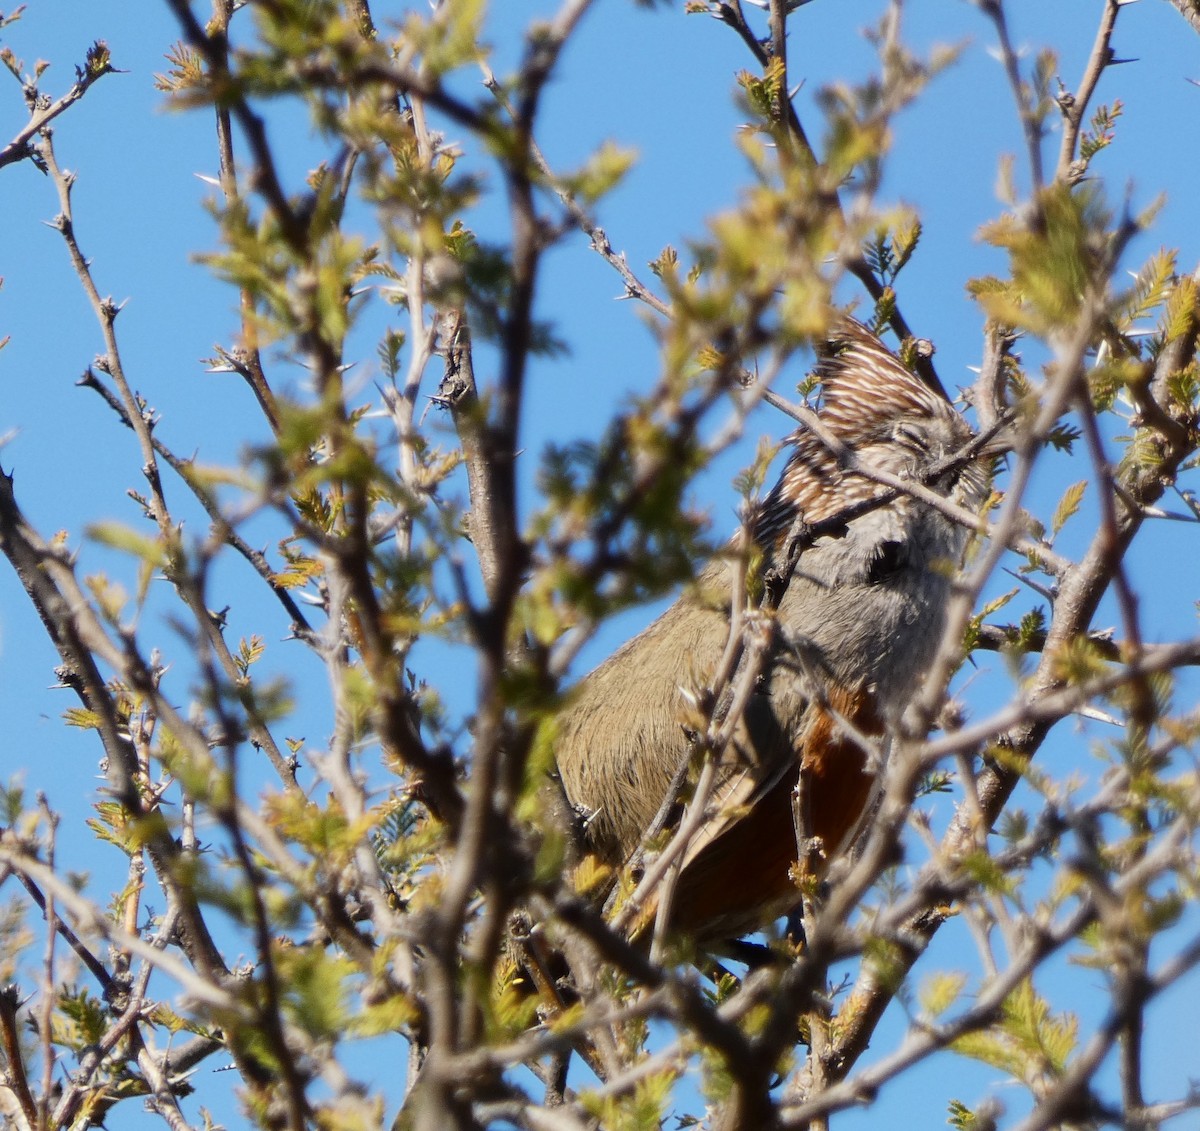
column 886, row 559
column 911, row 434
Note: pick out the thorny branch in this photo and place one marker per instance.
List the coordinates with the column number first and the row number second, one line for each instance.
column 43, row 111
column 245, row 359
column 774, row 50
column 1027, row 111
column 1075, row 106
column 433, row 960
column 1079, row 593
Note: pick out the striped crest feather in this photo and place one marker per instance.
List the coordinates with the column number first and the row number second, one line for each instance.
column 866, row 394
column 866, row 388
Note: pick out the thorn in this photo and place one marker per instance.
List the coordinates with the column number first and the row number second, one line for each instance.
column 1190, row 500
column 1042, row 590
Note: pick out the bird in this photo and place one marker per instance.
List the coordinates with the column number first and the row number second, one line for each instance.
column 857, row 626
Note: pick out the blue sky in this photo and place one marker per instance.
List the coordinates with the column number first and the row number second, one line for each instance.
column 658, row 81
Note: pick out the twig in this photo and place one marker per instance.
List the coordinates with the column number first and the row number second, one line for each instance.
column 634, row 287
column 44, row 112
column 201, row 986
column 1189, row 11
column 920, row 1043
column 247, row 360
column 1030, row 125
column 1046, row 701
column 489, row 529
column 731, row 14
column 1075, row 109
column 16, row 1077
column 222, row 530
column 185, row 582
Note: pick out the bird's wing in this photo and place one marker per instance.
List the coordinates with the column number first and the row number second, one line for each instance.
column 740, row 869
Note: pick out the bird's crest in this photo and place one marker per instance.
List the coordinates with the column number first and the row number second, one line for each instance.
column 866, row 395
column 865, row 388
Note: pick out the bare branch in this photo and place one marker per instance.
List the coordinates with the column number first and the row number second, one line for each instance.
column 1189, row 10
column 1075, row 106
column 1030, row 123
column 43, row 111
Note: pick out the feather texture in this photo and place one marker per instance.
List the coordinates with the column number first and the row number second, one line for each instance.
column 857, row 626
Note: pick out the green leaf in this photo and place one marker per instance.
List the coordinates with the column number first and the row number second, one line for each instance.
column 1056, row 256
column 81, row 717
column 1154, row 282
column 642, row 1110
column 1068, row 505
column 604, row 170
column 1062, row 437
column 763, row 94
column 112, row 825
column 81, row 1020
column 964, row 1119
column 316, row 990
column 1179, row 318
column 905, row 237
column 120, row 537
column 1031, row 628
column 940, row 991
column 393, row 1015
column 1037, row 1031
column 449, row 38
column 1101, row 135
column 249, row 652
